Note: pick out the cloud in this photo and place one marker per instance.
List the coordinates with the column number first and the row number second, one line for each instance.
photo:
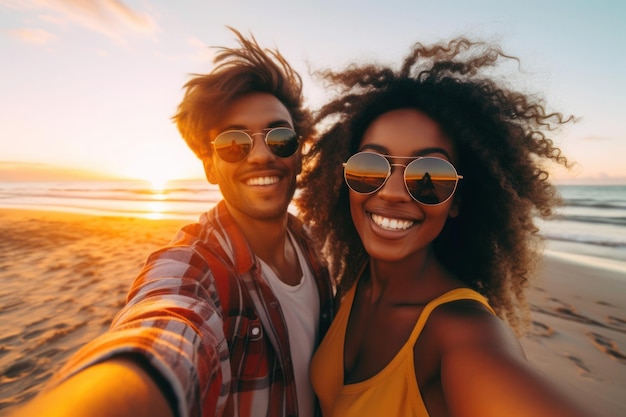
column 202, row 52
column 593, row 138
column 35, row 36
column 36, row 171
column 111, row 18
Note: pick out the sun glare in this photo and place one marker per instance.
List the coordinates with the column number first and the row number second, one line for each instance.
column 155, row 210
column 158, row 166
column 155, row 174
column 157, row 183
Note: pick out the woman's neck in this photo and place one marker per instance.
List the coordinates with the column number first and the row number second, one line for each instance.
column 412, row 280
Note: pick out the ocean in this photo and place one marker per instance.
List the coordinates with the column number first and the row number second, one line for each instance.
column 184, row 199
column 589, row 227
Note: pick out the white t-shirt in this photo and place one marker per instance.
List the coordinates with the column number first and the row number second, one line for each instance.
column 301, row 308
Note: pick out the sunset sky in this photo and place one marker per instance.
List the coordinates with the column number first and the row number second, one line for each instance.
column 91, row 85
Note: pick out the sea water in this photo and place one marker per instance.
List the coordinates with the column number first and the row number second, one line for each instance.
column 184, row 199
column 590, row 226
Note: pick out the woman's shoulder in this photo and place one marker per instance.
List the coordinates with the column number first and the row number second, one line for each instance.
column 472, row 344
column 467, row 321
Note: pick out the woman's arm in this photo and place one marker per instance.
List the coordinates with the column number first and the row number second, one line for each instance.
column 484, row 373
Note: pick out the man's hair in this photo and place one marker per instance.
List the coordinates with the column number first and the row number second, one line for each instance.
column 500, row 136
column 238, row 71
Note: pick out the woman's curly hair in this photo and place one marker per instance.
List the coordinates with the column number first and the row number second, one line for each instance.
column 500, row 137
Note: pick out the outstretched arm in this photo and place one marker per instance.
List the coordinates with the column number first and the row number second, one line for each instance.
column 485, row 373
column 117, row 387
column 167, row 343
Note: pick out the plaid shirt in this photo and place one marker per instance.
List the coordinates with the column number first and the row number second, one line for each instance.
column 202, row 315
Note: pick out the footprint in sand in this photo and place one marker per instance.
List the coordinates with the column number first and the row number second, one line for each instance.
column 617, row 323
column 18, row 369
column 580, row 365
column 607, row 346
column 571, row 314
column 604, row 303
column 568, row 312
column 541, row 329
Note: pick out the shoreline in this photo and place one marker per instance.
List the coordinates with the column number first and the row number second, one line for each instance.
column 66, row 275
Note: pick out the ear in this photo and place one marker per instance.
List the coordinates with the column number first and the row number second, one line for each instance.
column 209, row 170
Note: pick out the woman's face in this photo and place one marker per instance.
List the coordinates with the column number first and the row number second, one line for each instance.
column 392, row 225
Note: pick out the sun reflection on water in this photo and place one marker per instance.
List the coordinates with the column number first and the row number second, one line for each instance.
column 155, row 209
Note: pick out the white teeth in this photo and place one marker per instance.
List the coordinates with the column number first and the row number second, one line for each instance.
column 262, row 181
column 391, row 224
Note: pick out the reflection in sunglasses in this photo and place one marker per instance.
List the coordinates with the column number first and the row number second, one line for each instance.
column 429, row 180
column 234, row 145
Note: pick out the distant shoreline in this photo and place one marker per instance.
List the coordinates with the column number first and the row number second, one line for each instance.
column 552, row 248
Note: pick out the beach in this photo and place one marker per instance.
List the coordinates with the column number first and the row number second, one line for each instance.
column 64, row 276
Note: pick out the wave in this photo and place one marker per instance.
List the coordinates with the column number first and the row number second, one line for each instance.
column 617, row 221
column 105, row 194
column 121, row 198
column 119, row 195
column 172, row 210
column 593, row 203
column 587, row 239
column 149, row 191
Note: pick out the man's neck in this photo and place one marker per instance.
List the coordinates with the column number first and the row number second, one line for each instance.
column 268, row 239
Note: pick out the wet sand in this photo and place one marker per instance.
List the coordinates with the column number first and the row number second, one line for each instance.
column 64, row 276
column 578, row 334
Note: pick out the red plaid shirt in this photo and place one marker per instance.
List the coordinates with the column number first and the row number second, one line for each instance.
column 205, row 319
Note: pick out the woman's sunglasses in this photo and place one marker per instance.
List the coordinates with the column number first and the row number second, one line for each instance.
column 429, row 180
column 234, row 145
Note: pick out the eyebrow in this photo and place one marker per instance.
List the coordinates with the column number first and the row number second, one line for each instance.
column 421, row 152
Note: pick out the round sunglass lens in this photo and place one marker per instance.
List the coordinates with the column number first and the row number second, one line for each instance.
column 430, row 180
column 232, row 146
column 282, row 142
column 366, row 172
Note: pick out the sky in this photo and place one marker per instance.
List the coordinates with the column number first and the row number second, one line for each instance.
column 88, row 87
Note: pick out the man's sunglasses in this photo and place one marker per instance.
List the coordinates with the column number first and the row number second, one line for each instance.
column 234, row 145
column 429, row 180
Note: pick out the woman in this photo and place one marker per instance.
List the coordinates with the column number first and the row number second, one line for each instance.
column 422, row 192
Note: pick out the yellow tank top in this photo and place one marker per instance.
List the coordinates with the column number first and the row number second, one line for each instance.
column 394, row 391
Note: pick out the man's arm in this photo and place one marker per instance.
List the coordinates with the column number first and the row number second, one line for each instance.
column 167, row 343
column 117, row 387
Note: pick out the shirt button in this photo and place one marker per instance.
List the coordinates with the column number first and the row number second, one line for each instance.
column 255, row 331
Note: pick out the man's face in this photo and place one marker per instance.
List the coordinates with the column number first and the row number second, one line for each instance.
column 260, row 187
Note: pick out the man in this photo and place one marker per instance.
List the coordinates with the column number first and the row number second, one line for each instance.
column 225, row 319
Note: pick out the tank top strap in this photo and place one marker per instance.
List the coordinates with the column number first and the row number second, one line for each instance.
column 452, row 295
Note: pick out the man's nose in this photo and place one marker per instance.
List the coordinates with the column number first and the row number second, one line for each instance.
column 259, row 152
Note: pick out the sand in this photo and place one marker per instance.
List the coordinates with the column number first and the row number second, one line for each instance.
column 578, row 336
column 64, row 276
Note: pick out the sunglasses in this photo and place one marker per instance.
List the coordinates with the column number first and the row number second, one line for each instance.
column 234, row 145
column 429, row 180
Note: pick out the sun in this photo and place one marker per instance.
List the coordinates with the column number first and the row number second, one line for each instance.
column 157, row 182
column 151, row 171
column 158, row 166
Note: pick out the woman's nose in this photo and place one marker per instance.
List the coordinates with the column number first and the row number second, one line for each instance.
column 394, row 188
